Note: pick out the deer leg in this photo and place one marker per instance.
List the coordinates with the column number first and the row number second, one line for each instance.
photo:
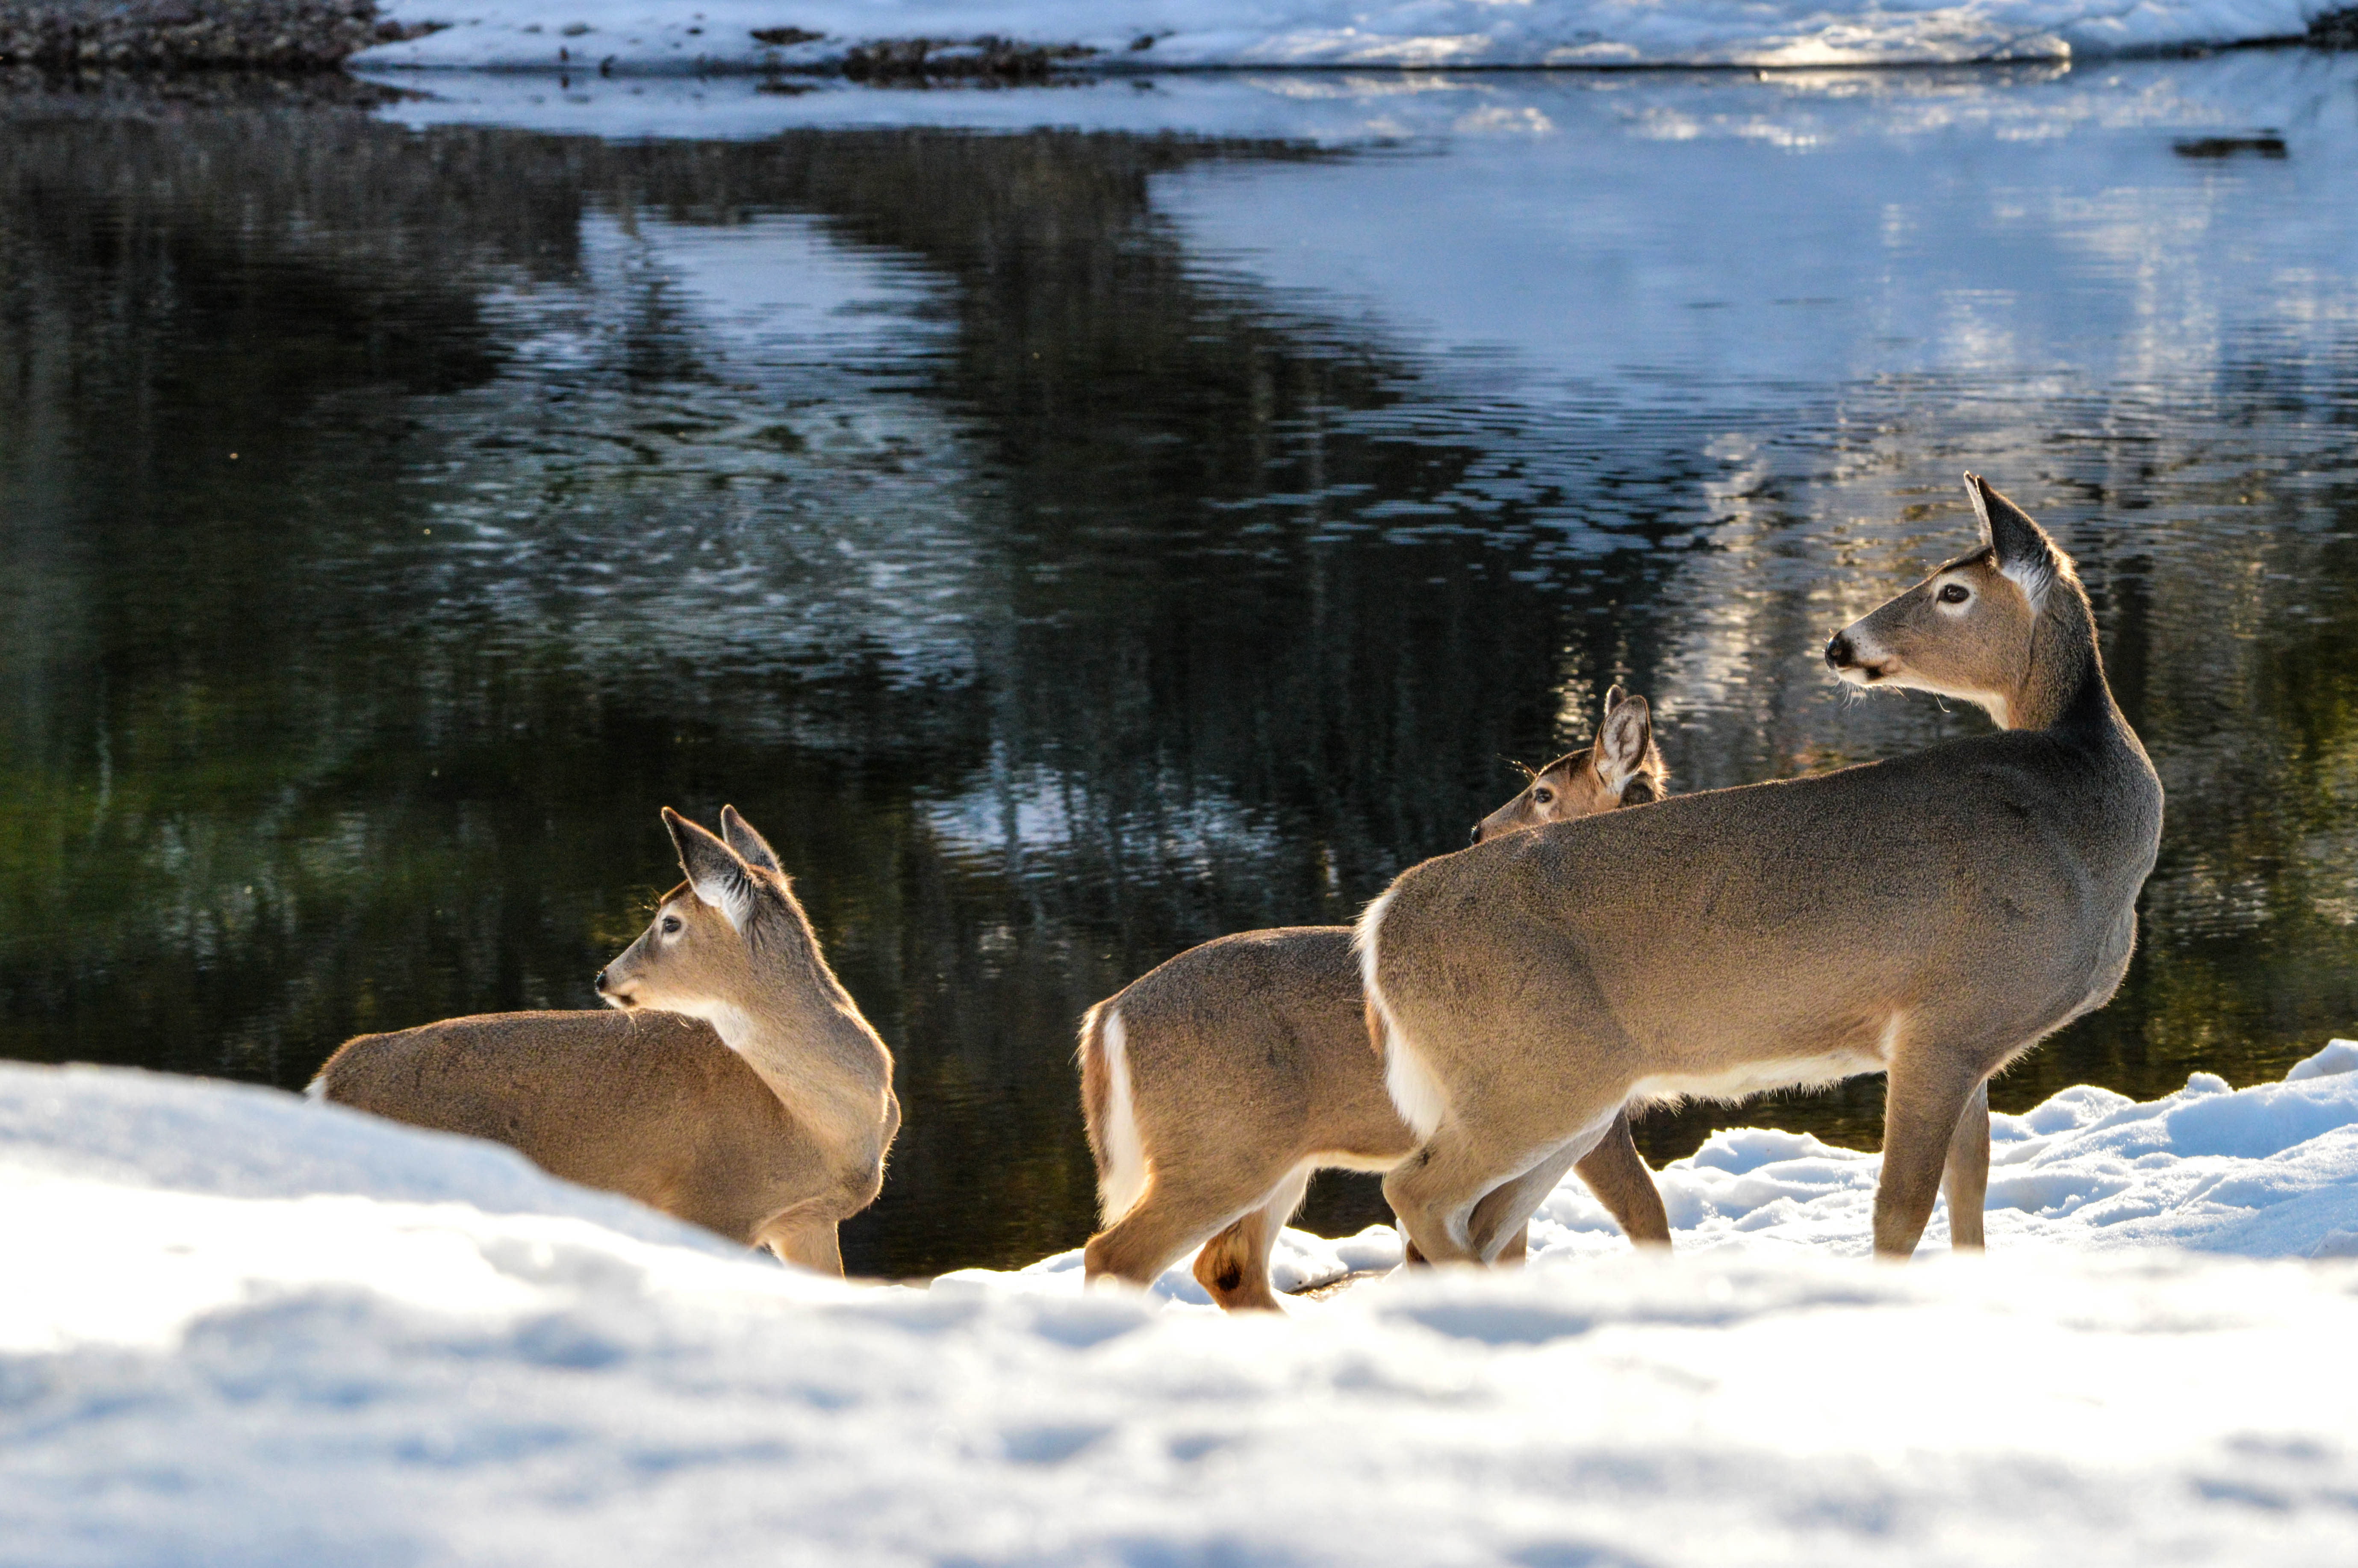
column 1923, row 1100
column 1435, row 1191
column 1618, row 1175
column 1965, row 1179
column 1233, row 1267
column 1171, row 1219
column 804, row 1243
column 1501, row 1222
column 1502, row 1219
column 1612, row 1169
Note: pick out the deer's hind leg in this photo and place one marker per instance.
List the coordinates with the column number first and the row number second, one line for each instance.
column 1233, row 1267
column 1437, row 1190
column 1614, row 1171
column 803, row 1242
column 1179, row 1210
column 1617, row 1173
column 1610, row 1167
column 1500, row 1226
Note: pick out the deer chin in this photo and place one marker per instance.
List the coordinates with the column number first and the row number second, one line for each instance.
column 1994, row 703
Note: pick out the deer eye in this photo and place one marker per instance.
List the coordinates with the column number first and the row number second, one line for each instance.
column 670, row 924
column 1955, row 593
column 1543, row 796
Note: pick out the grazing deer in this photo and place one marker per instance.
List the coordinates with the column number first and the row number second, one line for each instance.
column 1216, row 1085
column 736, row 1087
column 1929, row 917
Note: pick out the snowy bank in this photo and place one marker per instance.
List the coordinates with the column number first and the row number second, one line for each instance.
column 2268, row 1172
column 241, row 1328
column 754, row 34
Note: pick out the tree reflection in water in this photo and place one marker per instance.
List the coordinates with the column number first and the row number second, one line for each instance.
column 1053, row 595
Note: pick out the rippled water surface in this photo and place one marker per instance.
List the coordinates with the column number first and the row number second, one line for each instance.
column 1071, row 545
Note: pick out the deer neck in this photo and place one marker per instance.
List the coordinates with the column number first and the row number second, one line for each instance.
column 801, row 1031
column 2063, row 687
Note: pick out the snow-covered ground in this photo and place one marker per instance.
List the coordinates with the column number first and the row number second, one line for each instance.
column 710, row 34
column 240, row 1328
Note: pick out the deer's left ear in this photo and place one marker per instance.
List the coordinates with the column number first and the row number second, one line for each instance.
column 2024, row 553
column 1621, row 742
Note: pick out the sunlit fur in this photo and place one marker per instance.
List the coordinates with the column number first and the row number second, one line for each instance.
column 1111, row 1115
column 1933, row 915
column 735, row 1085
column 1622, row 766
column 2020, row 644
column 1245, row 1066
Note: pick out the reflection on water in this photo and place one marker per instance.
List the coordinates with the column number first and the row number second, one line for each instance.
column 1069, row 547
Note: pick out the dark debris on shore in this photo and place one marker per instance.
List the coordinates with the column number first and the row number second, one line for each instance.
column 902, row 60
column 187, row 35
column 2335, row 30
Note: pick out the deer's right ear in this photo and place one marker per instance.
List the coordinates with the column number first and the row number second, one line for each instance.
column 1621, row 743
column 713, row 869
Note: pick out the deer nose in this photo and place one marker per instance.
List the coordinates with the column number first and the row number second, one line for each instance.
column 1474, row 837
column 1838, row 652
column 600, row 983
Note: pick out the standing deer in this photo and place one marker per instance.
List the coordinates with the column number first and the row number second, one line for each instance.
column 1929, row 917
column 738, row 1087
column 1216, row 1085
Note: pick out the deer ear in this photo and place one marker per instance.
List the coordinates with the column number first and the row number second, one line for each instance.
column 1622, row 744
column 1616, row 696
column 2021, row 548
column 713, row 869
column 750, row 847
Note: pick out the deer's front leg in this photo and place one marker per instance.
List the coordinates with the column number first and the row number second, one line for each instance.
column 1925, row 1098
column 1966, row 1178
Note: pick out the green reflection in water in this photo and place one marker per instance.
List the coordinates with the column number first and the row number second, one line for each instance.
column 1052, row 596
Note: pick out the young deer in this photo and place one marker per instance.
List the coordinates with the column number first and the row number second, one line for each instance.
column 1216, row 1084
column 1929, row 917
column 736, row 1087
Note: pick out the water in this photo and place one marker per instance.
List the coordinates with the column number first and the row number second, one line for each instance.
column 1070, row 544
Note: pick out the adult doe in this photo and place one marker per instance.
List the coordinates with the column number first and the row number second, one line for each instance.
column 737, row 1087
column 1929, row 917
column 1215, row 1084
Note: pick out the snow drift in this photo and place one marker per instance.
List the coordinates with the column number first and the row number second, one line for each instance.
column 752, row 35
column 242, row 1328
column 2268, row 1172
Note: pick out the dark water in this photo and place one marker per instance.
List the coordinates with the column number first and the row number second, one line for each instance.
column 1069, row 547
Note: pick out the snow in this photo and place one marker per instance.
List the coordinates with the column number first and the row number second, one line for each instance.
column 2268, row 1172
column 718, row 35
column 241, row 1327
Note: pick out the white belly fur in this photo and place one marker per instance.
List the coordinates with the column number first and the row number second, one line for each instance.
column 1745, row 1079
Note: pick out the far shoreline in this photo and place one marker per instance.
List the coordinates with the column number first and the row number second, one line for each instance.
column 306, row 36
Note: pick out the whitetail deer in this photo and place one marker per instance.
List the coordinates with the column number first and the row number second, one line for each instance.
column 1216, row 1084
column 1929, row 917
column 736, row 1087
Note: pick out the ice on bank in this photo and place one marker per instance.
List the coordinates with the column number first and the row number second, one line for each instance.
column 751, row 35
column 242, row 1328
